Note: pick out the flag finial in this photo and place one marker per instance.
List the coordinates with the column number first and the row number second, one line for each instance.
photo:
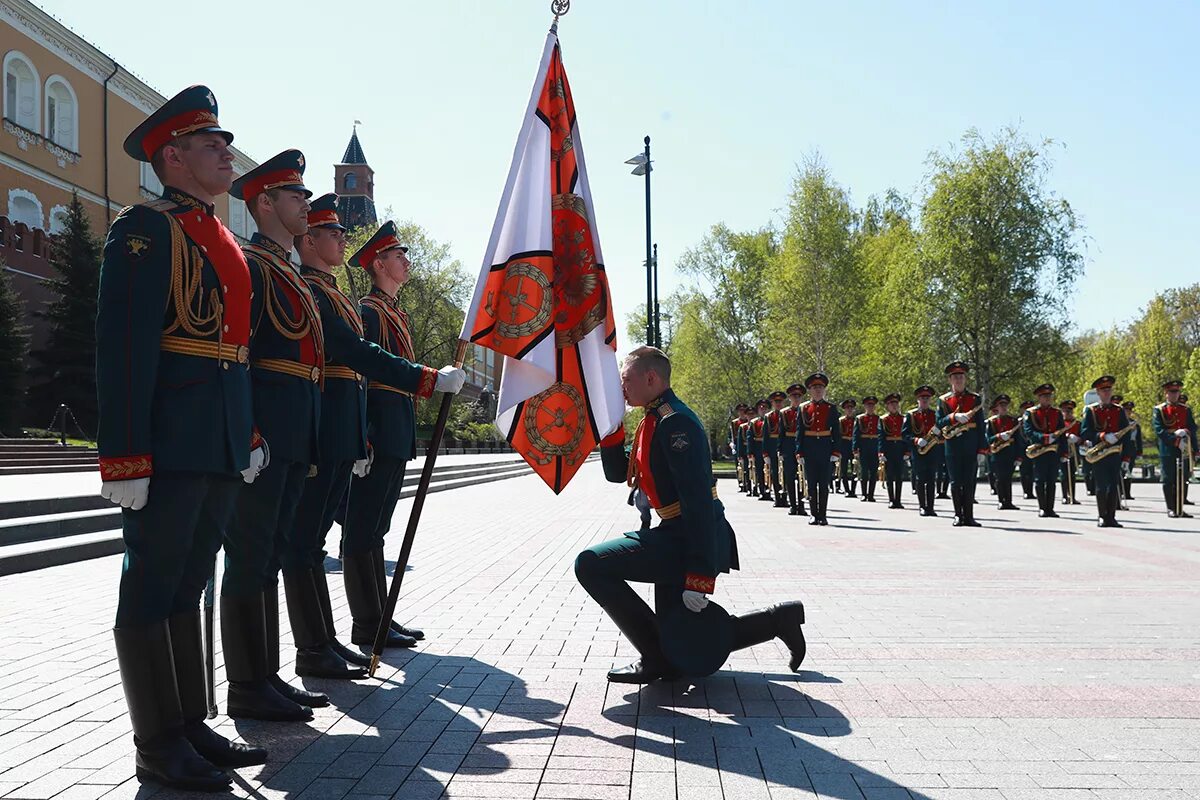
column 558, row 8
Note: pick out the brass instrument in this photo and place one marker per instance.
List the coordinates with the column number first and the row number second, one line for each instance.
column 1104, row 449
column 932, row 439
column 801, row 479
column 881, row 475
column 999, row 444
column 782, row 482
column 953, row 431
column 741, row 474
column 1035, row 450
column 1183, row 467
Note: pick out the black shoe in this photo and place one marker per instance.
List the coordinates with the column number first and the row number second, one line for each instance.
column 787, row 619
column 1051, row 513
column 637, row 672
column 173, row 762
column 260, row 700
column 793, row 512
column 219, row 750
column 348, row 655
column 958, row 522
column 324, row 662
column 824, row 521
column 404, row 630
column 942, row 496
column 362, row 592
column 814, row 521
column 299, row 696
column 1008, row 507
column 365, row 636
column 1028, row 496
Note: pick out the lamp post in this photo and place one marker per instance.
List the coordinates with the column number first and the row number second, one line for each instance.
column 657, row 318
column 641, row 166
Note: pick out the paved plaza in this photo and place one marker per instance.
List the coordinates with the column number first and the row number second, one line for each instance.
column 1029, row 658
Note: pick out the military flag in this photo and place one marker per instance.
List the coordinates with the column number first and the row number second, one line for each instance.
column 542, row 296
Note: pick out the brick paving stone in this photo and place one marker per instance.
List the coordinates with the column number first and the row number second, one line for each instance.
column 1009, row 661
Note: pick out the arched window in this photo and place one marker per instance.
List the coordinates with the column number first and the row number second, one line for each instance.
column 350, row 181
column 58, row 219
column 21, row 86
column 62, row 111
column 24, row 206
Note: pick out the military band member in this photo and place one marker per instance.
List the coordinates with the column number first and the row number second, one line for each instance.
column 1025, row 465
column 391, row 431
column 787, row 449
column 1069, row 487
column 175, row 434
column 1106, row 423
column 895, row 449
column 1003, row 438
column 772, row 444
column 1139, row 446
column 917, row 425
column 691, row 546
column 1043, row 425
column 1173, row 425
column 817, row 445
column 846, row 446
column 758, row 432
column 736, row 449
column 866, row 446
column 962, row 410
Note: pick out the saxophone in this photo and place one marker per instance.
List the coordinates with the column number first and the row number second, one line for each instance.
column 1104, row 449
column 1035, row 450
column 933, row 437
column 999, row 444
column 953, row 431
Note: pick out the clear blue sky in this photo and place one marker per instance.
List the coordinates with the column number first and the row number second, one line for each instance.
column 734, row 95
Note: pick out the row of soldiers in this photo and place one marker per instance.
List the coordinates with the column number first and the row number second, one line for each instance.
column 1047, row 443
column 242, row 399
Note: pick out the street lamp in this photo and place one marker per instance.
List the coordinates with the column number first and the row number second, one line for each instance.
column 657, row 324
column 642, row 166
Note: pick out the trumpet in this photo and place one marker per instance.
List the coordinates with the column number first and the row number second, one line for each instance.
column 1036, row 450
column 933, row 437
column 1104, row 449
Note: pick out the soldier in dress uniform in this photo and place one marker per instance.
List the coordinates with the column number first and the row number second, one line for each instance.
column 962, row 410
column 1003, row 438
column 787, row 449
column 772, row 444
column 735, row 444
column 1173, row 423
column 1043, row 425
column 1139, row 446
column 895, row 448
column 1106, row 422
column 349, row 363
column 690, row 547
column 817, row 445
column 287, row 356
column 1067, row 407
column 391, row 432
column 758, row 433
column 176, row 433
column 917, row 425
column 1024, row 464
column 846, row 446
column 866, row 447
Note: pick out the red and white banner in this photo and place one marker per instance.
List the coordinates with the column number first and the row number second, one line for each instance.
column 542, row 297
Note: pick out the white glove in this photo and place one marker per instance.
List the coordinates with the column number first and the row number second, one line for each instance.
column 1073, row 438
column 361, row 467
column 1006, row 435
column 1063, row 459
column 1181, row 432
column 450, row 380
column 980, row 459
column 694, row 601
column 1051, row 439
column 131, row 494
column 1126, row 467
column 1087, row 445
column 834, row 459
column 259, row 458
column 922, row 442
column 1111, row 438
column 961, row 417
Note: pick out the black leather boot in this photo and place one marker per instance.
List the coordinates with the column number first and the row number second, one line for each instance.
column 164, row 754
column 293, row 693
column 852, row 487
column 362, row 593
column 1114, row 502
column 321, row 581
column 244, row 637
column 187, row 645
column 781, row 621
column 641, row 629
column 381, row 586
column 315, row 658
column 956, row 498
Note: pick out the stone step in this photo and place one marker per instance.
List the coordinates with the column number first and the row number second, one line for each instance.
column 5, row 443
column 51, row 468
column 55, row 526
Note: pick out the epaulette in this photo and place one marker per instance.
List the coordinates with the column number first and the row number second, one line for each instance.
column 992, row 418
column 161, row 204
column 1160, row 406
column 946, row 396
column 1092, row 405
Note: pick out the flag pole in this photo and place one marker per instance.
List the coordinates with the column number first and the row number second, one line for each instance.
column 414, row 517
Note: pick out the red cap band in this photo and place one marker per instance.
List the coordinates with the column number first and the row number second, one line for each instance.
column 185, row 123
column 271, row 180
column 375, row 248
column 329, row 217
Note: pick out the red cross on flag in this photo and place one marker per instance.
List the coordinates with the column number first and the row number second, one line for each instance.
column 542, row 296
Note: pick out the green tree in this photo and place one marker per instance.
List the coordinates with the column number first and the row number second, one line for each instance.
column 1191, row 378
column 14, row 344
column 1160, row 353
column 814, row 290
column 437, row 291
column 66, row 367
column 1003, row 255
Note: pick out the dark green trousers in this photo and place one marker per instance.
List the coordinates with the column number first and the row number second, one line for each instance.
column 1045, row 467
column 171, row 544
column 372, row 503
column 259, row 539
column 318, row 504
